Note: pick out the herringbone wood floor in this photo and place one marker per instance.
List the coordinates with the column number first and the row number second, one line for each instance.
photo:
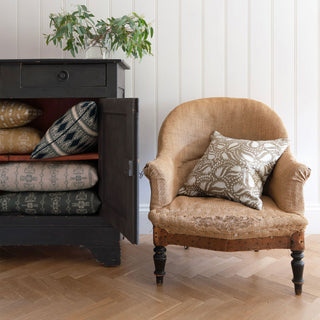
column 67, row 283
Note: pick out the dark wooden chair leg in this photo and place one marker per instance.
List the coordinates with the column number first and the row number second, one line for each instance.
column 159, row 259
column 297, row 269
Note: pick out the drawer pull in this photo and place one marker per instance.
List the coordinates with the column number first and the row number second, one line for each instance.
column 63, row 75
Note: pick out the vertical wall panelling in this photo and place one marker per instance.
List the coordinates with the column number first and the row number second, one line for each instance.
column 237, row 48
column 100, row 9
column 260, row 50
column 145, row 84
column 29, row 29
column 47, row 7
column 71, row 5
column 284, row 64
column 167, row 58
column 191, row 50
column 307, row 92
column 213, row 48
column 118, row 9
column 8, row 29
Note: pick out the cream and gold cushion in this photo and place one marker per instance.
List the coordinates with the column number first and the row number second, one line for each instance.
column 20, row 140
column 47, row 176
column 225, row 219
column 16, row 114
column 235, row 169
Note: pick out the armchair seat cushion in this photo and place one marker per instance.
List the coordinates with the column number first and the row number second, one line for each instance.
column 225, row 219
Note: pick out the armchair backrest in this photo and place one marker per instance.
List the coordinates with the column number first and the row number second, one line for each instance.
column 185, row 133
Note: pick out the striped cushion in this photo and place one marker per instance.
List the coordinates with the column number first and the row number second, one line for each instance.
column 75, row 132
column 16, row 114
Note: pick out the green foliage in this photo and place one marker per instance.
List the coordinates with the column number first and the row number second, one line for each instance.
column 78, row 30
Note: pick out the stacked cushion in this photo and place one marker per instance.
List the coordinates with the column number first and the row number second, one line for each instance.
column 80, row 202
column 75, row 132
column 15, row 137
column 48, row 188
column 234, row 169
column 20, row 140
column 16, row 114
column 46, row 176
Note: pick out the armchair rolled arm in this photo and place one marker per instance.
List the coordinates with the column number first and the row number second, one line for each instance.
column 286, row 183
column 161, row 173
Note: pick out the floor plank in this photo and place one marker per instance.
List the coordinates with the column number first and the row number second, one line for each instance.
column 67, row 283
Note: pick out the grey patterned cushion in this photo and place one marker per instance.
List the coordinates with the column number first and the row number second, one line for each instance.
column 75, row 132
column 50, row 203
column 47, row 176
column 234, row 169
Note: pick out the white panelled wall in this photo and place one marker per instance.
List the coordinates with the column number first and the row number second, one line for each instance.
column 262, row 49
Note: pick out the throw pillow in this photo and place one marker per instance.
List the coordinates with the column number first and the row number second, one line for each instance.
column 75, row 132
column 16, row 114
column 234, row 169
column 50, row 203
column 47, row 176
column 20, row 140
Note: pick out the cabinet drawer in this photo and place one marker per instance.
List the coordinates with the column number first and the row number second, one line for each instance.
column 72, row 76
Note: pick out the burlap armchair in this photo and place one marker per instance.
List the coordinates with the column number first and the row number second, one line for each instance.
column 215, row 223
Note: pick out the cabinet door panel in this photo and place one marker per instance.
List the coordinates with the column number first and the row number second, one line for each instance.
column 118, row 188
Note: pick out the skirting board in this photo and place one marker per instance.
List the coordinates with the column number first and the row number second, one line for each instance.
column 312, row 214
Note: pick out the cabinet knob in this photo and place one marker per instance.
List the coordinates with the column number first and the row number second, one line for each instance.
column 63, row 75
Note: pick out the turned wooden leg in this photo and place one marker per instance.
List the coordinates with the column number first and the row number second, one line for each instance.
column 297, row 268
column 159, row 259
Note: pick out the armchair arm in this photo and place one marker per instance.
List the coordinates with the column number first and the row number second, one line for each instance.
column 162, row 175
column 286, row 183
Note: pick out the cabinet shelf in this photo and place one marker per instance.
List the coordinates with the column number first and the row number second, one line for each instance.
column 26, row 157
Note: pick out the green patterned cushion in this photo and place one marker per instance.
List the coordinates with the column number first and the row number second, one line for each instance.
column 234, row 169
column 50, row 203
column 75, row 132
column 47, row 176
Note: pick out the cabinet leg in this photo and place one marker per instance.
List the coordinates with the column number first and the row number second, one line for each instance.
column 297, row 269
column 159, row 259
column 107, row 255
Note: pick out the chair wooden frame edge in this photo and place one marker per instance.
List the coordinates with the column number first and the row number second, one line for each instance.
column 295, row 242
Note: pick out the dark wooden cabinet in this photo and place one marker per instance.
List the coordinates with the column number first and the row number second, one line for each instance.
column 55, row 85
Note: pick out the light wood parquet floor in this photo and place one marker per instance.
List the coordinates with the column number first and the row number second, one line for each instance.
column 67, row 283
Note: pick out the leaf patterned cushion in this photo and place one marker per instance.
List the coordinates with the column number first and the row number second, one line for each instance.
column 16, row 114
column 47, row 176
column 20, row 140
column 234, row 169
column 50, row 203
column 75, row 132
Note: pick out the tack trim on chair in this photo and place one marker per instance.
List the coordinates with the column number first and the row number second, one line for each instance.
column 294, row 242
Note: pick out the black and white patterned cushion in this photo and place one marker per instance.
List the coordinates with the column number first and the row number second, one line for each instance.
column 75, row 132
column 234, row 169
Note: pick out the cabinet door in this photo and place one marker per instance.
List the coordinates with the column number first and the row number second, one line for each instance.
column 118, row 188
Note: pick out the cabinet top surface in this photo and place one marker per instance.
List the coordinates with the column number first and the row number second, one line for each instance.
column 122, row 63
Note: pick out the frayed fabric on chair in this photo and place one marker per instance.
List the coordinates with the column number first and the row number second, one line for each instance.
column 215, row 223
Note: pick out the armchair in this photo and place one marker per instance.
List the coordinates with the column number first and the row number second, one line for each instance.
column 216, row 223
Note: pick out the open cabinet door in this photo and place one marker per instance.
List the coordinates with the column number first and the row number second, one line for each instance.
column 118, row 188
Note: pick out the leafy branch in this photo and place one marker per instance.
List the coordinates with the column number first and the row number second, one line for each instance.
column 77, row 30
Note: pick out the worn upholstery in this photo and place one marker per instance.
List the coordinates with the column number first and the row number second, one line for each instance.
column 184, row 137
